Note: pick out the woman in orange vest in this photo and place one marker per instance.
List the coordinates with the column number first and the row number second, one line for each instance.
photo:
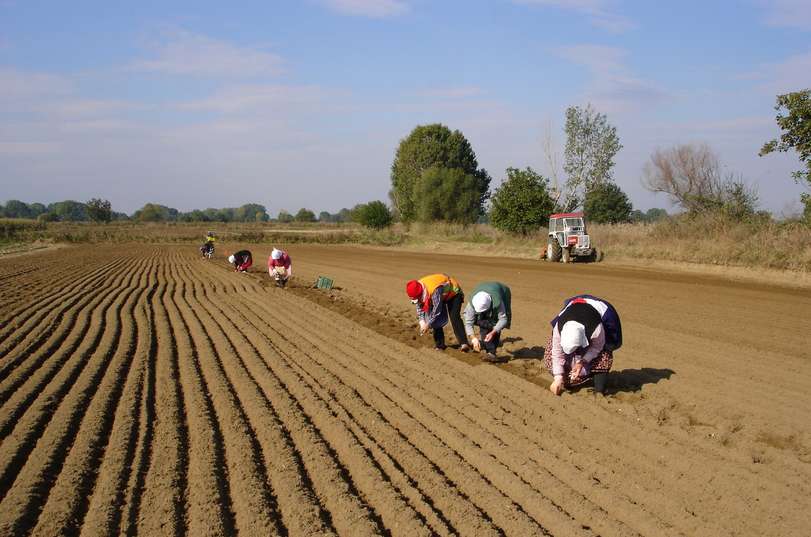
column 438, row 297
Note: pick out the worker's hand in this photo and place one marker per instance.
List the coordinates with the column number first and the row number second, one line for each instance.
column 490, row 336
column 423, row 327
column 557, row 385
column 576, row 369
column 477, row 345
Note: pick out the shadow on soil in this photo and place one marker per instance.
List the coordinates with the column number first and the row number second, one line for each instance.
column 632, row 380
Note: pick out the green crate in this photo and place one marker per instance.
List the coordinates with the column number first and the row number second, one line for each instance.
column 323, row 283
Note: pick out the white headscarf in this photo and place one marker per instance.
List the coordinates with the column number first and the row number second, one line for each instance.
column 573, row 336
column 276, row 254
column 231, row 259
column 481, row 302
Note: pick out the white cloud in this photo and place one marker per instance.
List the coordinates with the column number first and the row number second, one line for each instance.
column 368, row 8
column 186, row 53
column 788, row 13
column 598, row 12
column 613, row 86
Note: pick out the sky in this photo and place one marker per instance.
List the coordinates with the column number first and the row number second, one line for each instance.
column 292, row 104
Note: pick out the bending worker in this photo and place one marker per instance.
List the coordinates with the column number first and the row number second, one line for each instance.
column 438, row 297
column 280, row 266
column 241, row 260
column 490, row 308
column 584, row 335
column 208, row 245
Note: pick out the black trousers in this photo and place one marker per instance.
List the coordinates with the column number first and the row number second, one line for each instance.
column 454, row 306
column 485, row 327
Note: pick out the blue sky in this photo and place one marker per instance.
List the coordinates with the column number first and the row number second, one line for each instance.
column 302, row 104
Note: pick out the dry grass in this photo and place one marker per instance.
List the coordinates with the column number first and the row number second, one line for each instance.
column 708, row 240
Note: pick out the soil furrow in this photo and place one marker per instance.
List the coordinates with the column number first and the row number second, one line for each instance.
column 67, row 501
column 21, row 504
column 42, row 401
column 254, row 511
column 467, row 477
column 161, row 502
column 32, row 326
column 300, row 510
column 470, row 517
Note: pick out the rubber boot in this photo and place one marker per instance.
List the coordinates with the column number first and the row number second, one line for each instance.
column 600, row 381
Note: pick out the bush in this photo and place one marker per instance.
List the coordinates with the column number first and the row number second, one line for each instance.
column 522, row 204
column 606, row 203
column 374, row 215
column 285, row 217
column 447, row 194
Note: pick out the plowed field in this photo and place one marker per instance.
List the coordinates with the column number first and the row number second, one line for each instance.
column 145, row 391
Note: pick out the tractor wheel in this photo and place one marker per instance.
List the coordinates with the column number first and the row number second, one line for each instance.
column 566, row 256
column 553, row 251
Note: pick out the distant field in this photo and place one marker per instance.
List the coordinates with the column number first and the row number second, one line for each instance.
column 706, row 240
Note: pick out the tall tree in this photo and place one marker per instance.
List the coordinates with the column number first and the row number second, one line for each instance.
column 429, row 146
column 591, row 145
column 794, row 119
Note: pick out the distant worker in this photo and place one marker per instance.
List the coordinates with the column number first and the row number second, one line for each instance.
column 490, row 308
column 241, row 260
column 439, row 298
column 584, row 335
column 207, row 249
column 280, row 267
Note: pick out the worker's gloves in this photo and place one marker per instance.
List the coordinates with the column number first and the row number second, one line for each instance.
column 423, row 327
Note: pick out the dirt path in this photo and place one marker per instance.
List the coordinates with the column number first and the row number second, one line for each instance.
column 145, row 391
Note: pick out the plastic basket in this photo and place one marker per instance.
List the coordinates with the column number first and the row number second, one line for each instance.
column 323, row 283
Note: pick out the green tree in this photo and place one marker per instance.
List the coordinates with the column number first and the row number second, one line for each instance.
column 305, row 215
column 325, row 217
column 374, row 215
column 37, row 209
column 794, row 119
column 17, row 209
column 522, row 204
column 344, row 215
column 284, row 217
column 99, row 210
column 251, row 212
column 606, row 203
column 154, row 212
column 430, row 146
column 591, row 145
column 69, row 211
column 447, row 194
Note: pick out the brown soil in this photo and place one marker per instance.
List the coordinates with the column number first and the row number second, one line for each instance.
column 146, row 391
